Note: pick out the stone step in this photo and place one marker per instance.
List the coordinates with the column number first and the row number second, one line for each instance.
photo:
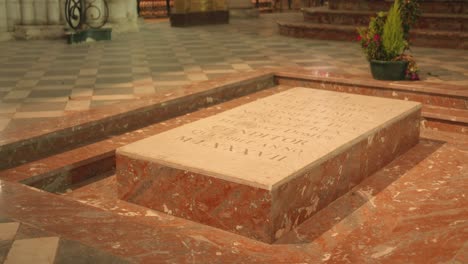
column 445, row 119
column 427, row 21
column 429, row 94
column 454, row 7
column 439, row 39
column 447, row 114
column 39, row 32
column 444, row 136
column 317, row 31
column 418, row 37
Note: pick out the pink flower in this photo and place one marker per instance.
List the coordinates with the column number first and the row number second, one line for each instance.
column 359, row 38
column 376, row 37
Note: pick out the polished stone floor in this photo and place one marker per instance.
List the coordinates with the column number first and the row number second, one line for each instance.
column 23, row 243
column 45, row 79
column 412, row 211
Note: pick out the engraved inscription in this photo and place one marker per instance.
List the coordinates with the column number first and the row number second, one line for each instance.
column 264, row 142
column 281, row 129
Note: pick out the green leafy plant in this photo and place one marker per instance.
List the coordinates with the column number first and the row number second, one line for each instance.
column 393, row 39
column 386, row 37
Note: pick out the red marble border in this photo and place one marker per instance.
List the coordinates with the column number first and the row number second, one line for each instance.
column 258, row 213
column 445, row 125
column 302, row 197
column 418, row 87
column 428, row 6
column 233, row 207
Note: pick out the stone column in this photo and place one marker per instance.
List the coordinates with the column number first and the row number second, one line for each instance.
column 13, row 12
column 40, row 12
column 35, row 17
column 53, row 12
column 123, row 16
column 27, row 12
column 95, row 12
column 62, row 11
column 132, row 10
column 3, row 17
column 117, row 10
column 4, row 35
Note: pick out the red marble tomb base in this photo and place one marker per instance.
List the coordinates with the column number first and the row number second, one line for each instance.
column 263, row 168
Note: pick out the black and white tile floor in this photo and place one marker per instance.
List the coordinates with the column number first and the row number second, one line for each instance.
column 46, row 79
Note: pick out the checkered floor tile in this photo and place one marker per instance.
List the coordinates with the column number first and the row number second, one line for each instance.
column 47, row 79
column 24, row 244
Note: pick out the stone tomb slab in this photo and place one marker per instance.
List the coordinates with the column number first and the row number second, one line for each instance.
column 262, row 168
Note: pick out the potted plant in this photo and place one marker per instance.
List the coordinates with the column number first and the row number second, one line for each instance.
column 384, row 43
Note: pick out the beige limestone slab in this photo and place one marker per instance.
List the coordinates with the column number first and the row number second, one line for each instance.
column 36, row 250
column 269, row 141
column 8, row 230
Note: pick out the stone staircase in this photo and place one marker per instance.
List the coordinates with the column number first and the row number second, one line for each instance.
column 443, row 24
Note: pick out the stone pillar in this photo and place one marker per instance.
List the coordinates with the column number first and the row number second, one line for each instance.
column 13, row 12
column 53, row 12
column 132, row 10
column 62, row 11
column 3, row 21
column 117, row 10
column 27, row 12
column 39, row 20
column 123, row 16
column 40, row 12
column 3, row 17
column 95, row 12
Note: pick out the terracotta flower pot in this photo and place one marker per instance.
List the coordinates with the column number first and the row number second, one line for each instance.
column 388, row 70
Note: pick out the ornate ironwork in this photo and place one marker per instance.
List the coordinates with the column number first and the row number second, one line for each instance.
column 90, row 13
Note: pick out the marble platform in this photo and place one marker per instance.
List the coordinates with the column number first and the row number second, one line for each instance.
column 261, row 169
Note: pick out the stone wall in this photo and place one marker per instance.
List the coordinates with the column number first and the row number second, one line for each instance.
column 45, row 19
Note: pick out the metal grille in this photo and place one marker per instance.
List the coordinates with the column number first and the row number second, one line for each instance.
column 154, row 8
